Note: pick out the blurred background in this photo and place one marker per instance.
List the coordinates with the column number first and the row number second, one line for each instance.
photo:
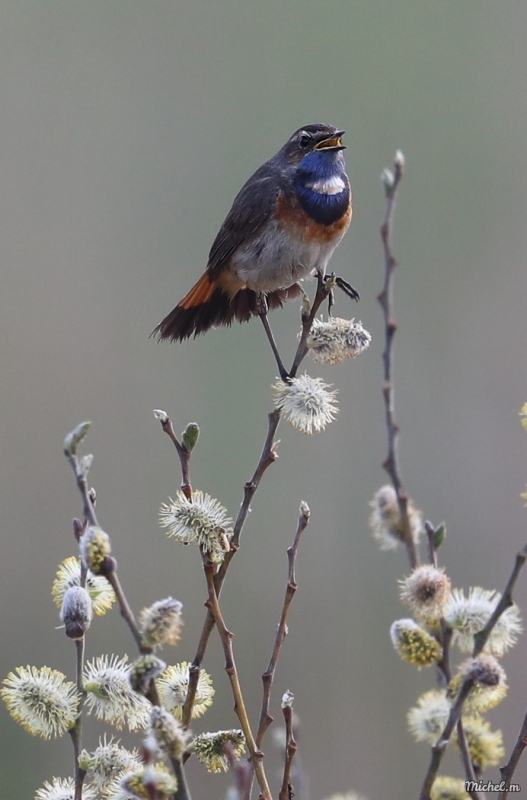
column 126, row 130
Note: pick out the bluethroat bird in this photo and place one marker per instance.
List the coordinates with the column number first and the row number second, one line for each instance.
column 284, row 225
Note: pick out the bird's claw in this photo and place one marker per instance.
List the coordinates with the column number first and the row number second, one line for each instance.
column 347, row 288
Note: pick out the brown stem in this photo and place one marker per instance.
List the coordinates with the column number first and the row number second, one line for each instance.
column 183, row 791
column 268, row 676
column 509, row 769
column 439, row 748
column 183, row 454
column 385, row 298
column 286, row 791
column 504, row 603
column 267, row 457
column 470, row 775
column 82, row 485
column 230, row 667
column 126, row 611
column 480, row 640
column 324, row 286
column 76, row 731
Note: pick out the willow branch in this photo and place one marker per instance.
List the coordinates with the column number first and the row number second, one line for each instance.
column 267, row 457
column 509, row 769
column 88, row 507
column 324, row 287
column 391, row 464
column 126, row 612
column 76, row 731
column 286, row 791
column 480, row 640
column 267, row 678
column 504, row 603
column 183, row 791
column 439, row 748
column 230, row 667
column 183, row 453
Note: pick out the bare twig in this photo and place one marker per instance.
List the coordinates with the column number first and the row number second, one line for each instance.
column 267, row 457
column 126, row 612
column 391, row 465
column 504, row 603
column 76, row 731
column 230, row 667
column 241, row 770
column 324, row 287
column 88, row 509
column 439, row 747
column 267, row 678
column 183, row 453
column 509, row 769
column 183, row 791
column 286, row 791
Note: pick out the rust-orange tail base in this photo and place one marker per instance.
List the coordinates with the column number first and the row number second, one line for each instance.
column 207, row 305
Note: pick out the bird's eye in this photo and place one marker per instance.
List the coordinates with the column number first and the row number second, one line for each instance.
column 304, row 140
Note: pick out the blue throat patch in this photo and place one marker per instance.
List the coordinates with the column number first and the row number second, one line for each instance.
column 319, row 167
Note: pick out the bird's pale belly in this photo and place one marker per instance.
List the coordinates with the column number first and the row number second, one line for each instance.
column 276, row 261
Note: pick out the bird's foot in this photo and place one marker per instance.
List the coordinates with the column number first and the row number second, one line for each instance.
column 347, row 288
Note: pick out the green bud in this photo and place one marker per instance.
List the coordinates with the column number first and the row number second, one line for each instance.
column 190, row 436
column 75, row 437
column 439, row 535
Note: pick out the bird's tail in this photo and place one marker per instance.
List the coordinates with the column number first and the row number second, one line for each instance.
column 208, row 305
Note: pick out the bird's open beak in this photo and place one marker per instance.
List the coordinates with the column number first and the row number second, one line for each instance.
column 332, row 142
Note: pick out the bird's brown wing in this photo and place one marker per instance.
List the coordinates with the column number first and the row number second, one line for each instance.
column 251, row 209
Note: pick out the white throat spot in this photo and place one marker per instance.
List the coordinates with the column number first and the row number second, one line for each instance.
column 333, row 185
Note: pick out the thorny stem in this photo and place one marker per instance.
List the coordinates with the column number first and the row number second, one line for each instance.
column 267, row 457
column 385, row 299
column 230, row 667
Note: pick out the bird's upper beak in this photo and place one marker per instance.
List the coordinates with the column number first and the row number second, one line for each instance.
column 332, row 142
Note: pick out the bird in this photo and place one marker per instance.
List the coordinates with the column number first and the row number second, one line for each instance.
column 284, row 224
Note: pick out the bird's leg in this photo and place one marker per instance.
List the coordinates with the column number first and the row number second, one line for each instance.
column 331, row 302
column 262, row 313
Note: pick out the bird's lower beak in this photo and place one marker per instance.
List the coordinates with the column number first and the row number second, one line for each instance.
column 333, row 142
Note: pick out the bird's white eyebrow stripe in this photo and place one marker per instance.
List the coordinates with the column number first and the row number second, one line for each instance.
column 333, row 185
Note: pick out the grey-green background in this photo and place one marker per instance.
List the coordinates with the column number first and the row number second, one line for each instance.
column 126, row 128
